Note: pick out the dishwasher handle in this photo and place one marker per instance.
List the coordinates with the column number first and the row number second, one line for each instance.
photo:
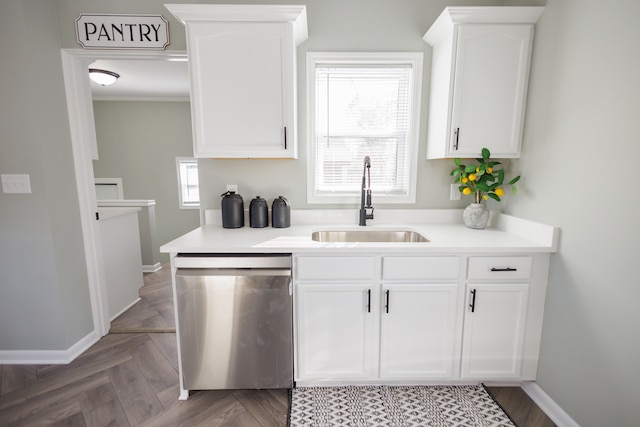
column 239, row 272
column 235, row 261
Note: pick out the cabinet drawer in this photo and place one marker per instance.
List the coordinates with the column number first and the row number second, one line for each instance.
column 508, row 268
column 337, row 268
column 420, row 267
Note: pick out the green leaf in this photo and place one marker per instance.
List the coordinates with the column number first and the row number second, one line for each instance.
column 500, row 174
column 457, row 161
column 494, row 196
column 482, row 187
column 514, row 180
column 455, row 172
column 470, row 169
column 486, row 153
column 514, row 190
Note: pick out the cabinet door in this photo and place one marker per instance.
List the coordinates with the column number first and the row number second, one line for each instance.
column 490, row 82
column 418, row 330
column 494, row 328
column 242, row 89
column 335, row 331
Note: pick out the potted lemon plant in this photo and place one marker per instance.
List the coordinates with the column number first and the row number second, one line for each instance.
column 484, row 180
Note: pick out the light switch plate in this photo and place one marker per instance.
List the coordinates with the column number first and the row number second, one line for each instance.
column 455, row 193
column 15, row 183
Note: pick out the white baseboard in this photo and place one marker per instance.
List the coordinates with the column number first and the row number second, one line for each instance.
column 48, row 357
column 151, row 268
column 548, row 405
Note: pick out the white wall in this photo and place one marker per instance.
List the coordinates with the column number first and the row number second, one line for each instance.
column 578, row 166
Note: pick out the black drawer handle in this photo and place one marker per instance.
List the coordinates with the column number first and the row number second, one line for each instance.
column 473, row 301
column 368, row 300
column 504, row 269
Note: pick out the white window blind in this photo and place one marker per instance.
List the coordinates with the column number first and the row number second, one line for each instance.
column 188, row 186
column 363, row 108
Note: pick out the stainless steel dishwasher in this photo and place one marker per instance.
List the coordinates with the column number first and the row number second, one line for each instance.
column 235, row 321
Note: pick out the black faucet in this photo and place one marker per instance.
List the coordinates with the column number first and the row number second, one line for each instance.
column 365, row 195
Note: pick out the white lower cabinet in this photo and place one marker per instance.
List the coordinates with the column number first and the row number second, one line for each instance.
column 406, row 319
column 418, row 330
column 335, row 331
column 394, row 325
column 494, row 328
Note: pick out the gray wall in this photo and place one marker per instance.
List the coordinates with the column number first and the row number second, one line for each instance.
column 44, row 298
column 580, row 148
column 139, row 141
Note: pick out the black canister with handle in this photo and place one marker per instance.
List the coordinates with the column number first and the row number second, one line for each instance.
column 232, row 210
column 258, row 213
column 280, row 213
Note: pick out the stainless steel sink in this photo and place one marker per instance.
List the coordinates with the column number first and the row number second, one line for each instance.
column 388, row 236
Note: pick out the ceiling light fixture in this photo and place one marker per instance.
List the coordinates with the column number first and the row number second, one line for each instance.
column 103, row 77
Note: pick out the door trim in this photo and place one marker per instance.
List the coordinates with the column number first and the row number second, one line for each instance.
column 75, row 63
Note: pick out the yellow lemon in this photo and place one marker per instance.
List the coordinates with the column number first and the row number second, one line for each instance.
column 489, row 169
column 472, row 177
column 478, row 169
column 499, row 192
column 466, row 191
column 465, row 180
column 484, row 197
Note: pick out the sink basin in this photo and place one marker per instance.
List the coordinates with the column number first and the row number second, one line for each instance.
column 388, row 236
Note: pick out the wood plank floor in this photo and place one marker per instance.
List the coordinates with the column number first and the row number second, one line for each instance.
column 129, row 378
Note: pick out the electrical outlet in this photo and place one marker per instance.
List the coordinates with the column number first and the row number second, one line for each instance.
column 232, row 187
column 454, row 192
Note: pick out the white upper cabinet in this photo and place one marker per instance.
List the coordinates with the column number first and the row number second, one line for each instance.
column 242, row 66
column 480, row 70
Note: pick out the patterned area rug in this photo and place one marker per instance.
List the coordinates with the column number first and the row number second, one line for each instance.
column 437, row 406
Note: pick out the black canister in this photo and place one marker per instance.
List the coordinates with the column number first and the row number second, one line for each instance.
column 280, row 213
column 232, row 210
column 258, row 213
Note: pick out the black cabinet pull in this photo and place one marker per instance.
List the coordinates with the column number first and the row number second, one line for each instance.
column 386, row 304
column 504, row 269
column 473, row 301
column 285, row 137
column 457, row 133
column 368, row 300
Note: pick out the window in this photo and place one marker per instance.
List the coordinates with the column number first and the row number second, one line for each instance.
column 188, row 190
column 363, row 104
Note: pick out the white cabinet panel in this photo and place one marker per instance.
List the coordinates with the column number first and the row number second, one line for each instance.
column 420, row 267
column 494, row 329
column 240, row 96
column 334, row 268
column 480, row 71
column 335, row 331
column 418, row 331
column 242, row 67
column 500, row 268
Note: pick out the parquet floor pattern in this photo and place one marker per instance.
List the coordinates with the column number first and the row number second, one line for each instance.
column 129, row 378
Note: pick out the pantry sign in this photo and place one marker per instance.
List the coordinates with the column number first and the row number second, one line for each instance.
column 101, row 31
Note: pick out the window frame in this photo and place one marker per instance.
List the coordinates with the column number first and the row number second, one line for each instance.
column 415, row 60
column 182, row 204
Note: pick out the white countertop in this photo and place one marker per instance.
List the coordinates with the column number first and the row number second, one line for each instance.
column 112, row 212
column 443, row 229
